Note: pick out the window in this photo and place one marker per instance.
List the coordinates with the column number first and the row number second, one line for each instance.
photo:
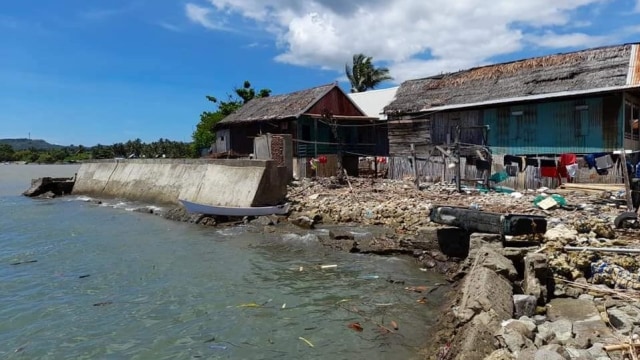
column 581, row 119
column 306, row 132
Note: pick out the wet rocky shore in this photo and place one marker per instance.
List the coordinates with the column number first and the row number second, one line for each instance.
column 571, row 293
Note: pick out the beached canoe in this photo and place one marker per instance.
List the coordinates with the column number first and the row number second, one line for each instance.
column 196, row 208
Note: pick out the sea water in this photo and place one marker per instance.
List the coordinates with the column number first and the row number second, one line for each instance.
column 81, row 280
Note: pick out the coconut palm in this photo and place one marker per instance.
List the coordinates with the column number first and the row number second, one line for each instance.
column 363, row 75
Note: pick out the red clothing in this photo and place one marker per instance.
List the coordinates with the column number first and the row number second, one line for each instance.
column 549, row 172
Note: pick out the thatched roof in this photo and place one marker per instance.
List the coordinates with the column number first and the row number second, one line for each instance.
column 598, row 68
column 278, row 107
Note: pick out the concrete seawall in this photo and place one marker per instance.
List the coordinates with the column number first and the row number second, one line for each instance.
column 241, row 183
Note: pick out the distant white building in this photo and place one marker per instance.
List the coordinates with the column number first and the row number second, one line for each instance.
column 372, row 102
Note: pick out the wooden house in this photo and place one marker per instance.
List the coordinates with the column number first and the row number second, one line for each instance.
column 321, row 120
column 580, row 102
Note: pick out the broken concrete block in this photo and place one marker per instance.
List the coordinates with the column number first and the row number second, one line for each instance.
column 536, row 277
column 484, row 290
column 524, row 305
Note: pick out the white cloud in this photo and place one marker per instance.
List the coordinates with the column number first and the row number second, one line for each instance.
column 558, row 41
column 414, row 38
column 637, row 6
column 169, row 26
column 201, row 15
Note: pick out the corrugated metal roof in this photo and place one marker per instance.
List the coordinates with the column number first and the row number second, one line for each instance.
column 372, row 102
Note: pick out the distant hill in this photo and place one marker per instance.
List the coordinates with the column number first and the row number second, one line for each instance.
column 23, row 144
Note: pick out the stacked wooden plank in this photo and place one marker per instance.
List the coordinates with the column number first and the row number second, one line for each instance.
column 593, row 188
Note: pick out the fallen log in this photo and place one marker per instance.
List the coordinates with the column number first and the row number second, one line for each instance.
column 488, row 222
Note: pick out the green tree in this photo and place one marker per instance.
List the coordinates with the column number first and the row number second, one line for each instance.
column 6, row 152
column 364, row 75
column 203, row 135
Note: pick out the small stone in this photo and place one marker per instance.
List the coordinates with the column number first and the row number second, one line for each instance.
column 539, row 319
column 586, row 297
column 543, row 354
column 562, row 329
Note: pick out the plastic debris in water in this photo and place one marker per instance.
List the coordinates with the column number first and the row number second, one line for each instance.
column 328, row 266
column 355, row 326
column 394, row 325
column 369, row 277
column 306, row 341
column 249, row 305
column 217, row 347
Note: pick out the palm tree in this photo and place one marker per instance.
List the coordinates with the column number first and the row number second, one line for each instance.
column 363, row 75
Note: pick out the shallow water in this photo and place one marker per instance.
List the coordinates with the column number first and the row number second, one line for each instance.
column 114, row 284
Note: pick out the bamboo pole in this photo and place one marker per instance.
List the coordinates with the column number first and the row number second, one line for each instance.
column 603, row 249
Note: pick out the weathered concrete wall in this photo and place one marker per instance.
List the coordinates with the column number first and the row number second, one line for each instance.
column 241, row 183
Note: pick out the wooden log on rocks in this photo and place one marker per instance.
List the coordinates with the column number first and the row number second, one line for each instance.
column 488, row 222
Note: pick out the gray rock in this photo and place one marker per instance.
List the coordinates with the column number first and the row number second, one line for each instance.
column 558, row 349
column 561, row 234
column 545, row 334
column 337, row 234
column 500, row 354
column 263, row 220
column 624, row 318
column 524, row 305
column 543, row 354
column 536, row 277
column 586, row 297
column 562, row 329
column 511, row 338
column 527, row 354
column 522, row 327
column 483, row 291
column 571, row 309
column 539, row 319
column 529, row 323
column 590, row 331
column 304, row 222
column 597, row 351
column 489, row 258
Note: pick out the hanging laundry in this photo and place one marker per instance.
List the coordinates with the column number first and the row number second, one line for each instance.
column 590, row 159
column 512, row 170
column 519, row 160
column 604, row 162
column 549, row 171
column 572, row 170
column 548, row 168
column 565, row 161
column 483, row 165
column 531, row 161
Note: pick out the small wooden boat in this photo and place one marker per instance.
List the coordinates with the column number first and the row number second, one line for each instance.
column 234, row 211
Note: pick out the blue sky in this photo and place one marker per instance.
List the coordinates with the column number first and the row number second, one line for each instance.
column 88, row 72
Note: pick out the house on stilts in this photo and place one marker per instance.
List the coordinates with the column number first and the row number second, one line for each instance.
column 542, row 121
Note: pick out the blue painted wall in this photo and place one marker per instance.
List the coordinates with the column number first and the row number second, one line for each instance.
column 578, row 126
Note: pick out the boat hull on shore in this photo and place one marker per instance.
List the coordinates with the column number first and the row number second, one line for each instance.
column 196, row 208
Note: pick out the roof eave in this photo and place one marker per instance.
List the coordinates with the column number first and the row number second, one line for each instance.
column 529, row 98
